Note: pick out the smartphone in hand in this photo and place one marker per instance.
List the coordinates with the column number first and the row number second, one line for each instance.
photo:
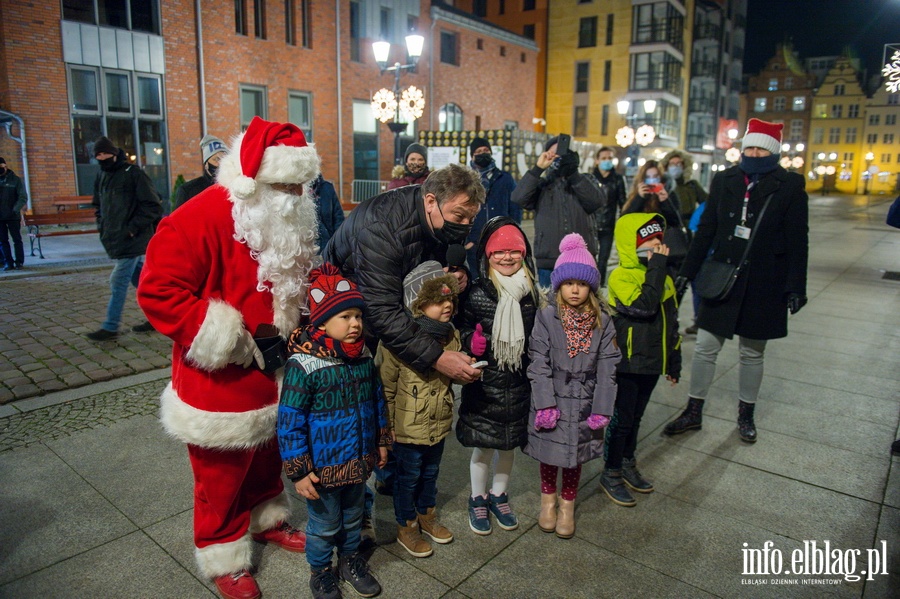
column 562, row 146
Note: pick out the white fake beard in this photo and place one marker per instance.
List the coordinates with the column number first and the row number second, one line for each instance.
column 281, row 230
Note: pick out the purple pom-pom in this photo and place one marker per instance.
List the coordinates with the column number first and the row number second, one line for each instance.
column 572, row 241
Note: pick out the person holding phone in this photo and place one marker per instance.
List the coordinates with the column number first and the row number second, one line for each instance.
column 649, row 195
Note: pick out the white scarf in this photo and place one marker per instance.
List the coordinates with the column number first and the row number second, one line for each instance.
column 509, row 329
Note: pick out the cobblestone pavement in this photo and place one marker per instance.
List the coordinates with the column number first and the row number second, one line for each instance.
column 43, row 320
column 61, row 420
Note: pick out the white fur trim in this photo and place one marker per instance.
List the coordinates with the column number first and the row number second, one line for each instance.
column 286, row 319
column 225, row 558
column 761, row 140
column 217, row 337
column 288, row 164
column 216, row 430
column 243, row 186
column 270, row 513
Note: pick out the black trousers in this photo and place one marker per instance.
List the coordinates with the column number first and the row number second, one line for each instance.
column 12, row 228
column 604, row 249
column 634, row 391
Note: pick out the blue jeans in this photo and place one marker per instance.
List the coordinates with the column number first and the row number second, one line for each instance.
column 335, row 520
column 415, row 487
column 126, row 270
column 544, row 277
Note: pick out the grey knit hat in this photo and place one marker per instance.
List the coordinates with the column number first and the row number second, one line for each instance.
column 417, row 277
column 415, row 148
column 211, row 145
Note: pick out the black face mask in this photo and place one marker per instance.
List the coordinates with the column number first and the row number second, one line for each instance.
column 108, row 163
column 212, row 169
column 451, row 233
column 482, row 160
column 2, row 171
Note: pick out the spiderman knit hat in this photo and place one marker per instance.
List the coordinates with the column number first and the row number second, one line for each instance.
column 575, row 263
column 330, row 294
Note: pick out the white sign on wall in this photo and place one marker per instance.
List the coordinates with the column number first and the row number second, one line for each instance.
column 441, row 156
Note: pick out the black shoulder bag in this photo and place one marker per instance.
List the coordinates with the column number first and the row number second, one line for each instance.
column 715, row 280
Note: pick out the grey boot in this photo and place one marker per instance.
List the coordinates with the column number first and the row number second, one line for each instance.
column 692, row 417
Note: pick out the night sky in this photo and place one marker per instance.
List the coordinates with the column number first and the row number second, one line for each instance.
column 821, row 28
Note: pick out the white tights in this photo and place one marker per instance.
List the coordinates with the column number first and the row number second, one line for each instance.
column 479, row 469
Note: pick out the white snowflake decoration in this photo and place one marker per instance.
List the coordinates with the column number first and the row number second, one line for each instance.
column 384, row 105
column 625, row 136
column 645, row 135
column 892, row 71
column 412, row 103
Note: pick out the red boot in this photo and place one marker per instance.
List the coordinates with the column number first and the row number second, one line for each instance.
column 285, row 536
column 240, row 585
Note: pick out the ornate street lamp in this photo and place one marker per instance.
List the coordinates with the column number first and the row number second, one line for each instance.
column 388, row 104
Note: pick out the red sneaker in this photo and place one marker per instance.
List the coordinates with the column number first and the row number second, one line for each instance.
column 240, row 585
column 285, row 536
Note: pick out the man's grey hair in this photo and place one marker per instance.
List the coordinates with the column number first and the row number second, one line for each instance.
column 448, row 182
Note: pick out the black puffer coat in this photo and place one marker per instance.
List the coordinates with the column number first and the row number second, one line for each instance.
column 378, row 244
column 493, row 413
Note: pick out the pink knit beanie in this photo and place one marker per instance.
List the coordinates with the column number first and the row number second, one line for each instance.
column 575, row 263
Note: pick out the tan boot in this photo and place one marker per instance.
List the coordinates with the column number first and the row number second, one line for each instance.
column 547, row 519
column 410, row 538
column 565, row 523
column 429, row 525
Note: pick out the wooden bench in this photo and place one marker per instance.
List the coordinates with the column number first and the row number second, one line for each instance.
column 34, row 222
column 63, row 203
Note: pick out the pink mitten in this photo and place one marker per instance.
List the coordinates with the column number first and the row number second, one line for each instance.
column 478, row 343
column 546, row 418
column 596, row 421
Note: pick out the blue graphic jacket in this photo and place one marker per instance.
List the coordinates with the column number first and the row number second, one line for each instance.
column 331, row 419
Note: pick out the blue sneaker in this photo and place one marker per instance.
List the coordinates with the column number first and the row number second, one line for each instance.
column 506, row 519
column 479, row 521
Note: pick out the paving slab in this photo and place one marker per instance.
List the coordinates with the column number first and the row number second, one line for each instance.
column 885, row 585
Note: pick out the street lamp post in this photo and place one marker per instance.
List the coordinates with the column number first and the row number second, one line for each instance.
column 867, row 174
column 628, row 137
column 387, row 104
column 792, row 159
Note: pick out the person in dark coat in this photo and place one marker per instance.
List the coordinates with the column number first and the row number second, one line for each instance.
column 563, row 200
column 771, row 283
column 13, row 198
column 416, row 167
column 328, row 210
column 213, row 149
column 128, row 209
column 498, row 187
column 496, row 323
column 605, row 218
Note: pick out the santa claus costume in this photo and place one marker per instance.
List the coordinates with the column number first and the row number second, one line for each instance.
column 226, row 266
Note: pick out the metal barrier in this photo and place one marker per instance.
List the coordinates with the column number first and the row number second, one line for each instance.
column 363, row 189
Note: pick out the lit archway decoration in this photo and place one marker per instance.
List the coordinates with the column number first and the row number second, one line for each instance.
column 412, row 103
column 645, row 135
column 384, row 105
column 625, row 136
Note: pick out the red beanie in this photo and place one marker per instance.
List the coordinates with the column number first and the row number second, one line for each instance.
column 507, row 237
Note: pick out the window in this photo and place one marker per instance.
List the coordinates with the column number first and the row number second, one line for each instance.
column 300, row 112
column 604, row 120
column 579, row 124
column 479, row 44
column 872, row 138
column 853, row 111
column 886, row 158
column 834, row 135
column 888, row 138
column 890, row 119
column 796, row 129
column 759, row 105
column 450, row 118
column 607, row 75
column 609, row 29
column 839, row 89
column 893, row 99
column 522, row 57
column 837, row 110
column 479, row 8
column 448, row 48
column 818, row 135
column 658, row 22
column 799, row 103
column 528, row 31
column 850, row 136
column 253, row 103
column 290, row 26
column 354, row 32
column 778, row 104
column 587, row 32
column 656, row 71
column 384, row 24
column 788, row 83
column 528, row 5
column 773, row 84
column 502, row 50
column 820, row 111
column 365, row 142
column 848, row 156
column 502, row 7
column 582, row 72
column 118, row 95
column 305, row 39
column 259, row 19
column 874, row 119
column 136, row 15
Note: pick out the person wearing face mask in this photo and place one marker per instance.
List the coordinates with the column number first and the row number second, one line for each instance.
column 213, row 149
column 605, row 218
column 771, row 282
column 13, row 198
column 498, row 187
column 678, row 167
column 649, row 195
column 128, row 210
column 563, row 200
column 415, row 167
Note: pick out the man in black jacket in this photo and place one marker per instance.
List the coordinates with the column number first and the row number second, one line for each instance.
column 605, row 218
column 128, row 209
column 13, row 198
column 213, row 150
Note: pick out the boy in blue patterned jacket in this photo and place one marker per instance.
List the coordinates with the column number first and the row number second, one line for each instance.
column 332, row 430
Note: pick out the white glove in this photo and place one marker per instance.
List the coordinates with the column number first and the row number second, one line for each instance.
column 246, row 351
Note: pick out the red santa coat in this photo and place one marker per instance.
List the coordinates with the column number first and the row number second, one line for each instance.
column 199, row 287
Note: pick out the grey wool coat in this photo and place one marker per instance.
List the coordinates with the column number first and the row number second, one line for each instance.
column 578, row 387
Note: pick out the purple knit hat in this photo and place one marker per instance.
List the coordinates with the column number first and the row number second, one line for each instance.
column 574, row 263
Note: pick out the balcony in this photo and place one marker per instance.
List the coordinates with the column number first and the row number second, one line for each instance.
column 656, row 81
column 665, row 31
column 704, row 68
column 701, row 105
column 707, row 31
column 664, row 128
column 696, row 141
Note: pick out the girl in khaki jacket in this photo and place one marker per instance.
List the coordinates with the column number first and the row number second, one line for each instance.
column 420, row 409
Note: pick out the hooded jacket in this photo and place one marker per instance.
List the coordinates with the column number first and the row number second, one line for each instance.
column 493, row 413
column 690, row 193
column 192, row 188
column 646, row 312
column 13, row 196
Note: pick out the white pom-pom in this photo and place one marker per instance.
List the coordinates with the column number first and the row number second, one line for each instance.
column 572, row 241
column 243, row 186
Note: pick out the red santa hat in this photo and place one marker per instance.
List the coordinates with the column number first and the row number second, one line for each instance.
column 269, row 152
column 762, row 134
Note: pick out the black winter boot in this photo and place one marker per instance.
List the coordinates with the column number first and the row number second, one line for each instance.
column 746, row 426
column 613, row 485
column 633, row 477
column 692, row 417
